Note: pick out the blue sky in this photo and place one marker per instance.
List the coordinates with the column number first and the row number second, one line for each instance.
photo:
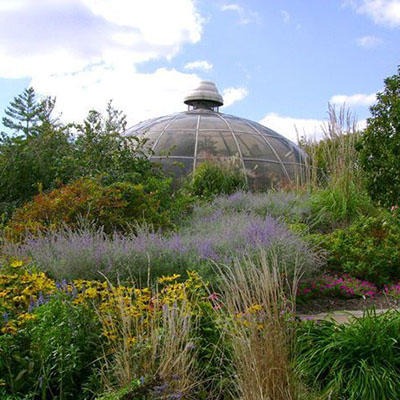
column 276, row 62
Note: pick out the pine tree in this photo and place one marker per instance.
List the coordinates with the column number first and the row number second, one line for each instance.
column 26, row 113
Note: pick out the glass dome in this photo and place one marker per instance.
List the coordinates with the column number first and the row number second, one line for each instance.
column 182, row 141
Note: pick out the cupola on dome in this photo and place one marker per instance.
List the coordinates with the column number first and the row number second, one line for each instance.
column 182, row 141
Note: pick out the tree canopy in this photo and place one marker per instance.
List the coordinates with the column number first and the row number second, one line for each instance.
column 379, row 146
column 40, row 153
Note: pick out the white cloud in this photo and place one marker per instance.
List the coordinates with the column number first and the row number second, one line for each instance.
column 363, row 100
column 232, row 95
column 140, row 95
column 285, row 16
column 295, row 128
column 245, row 16
column 368, row 42
column 86, row 52
column 199, row 65
column 382, row 12
column 292, row 128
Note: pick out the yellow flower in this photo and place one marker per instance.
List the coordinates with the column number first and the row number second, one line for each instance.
column 254, row 308
column 9, row 328
column 25, row 317
column 130, row 341
column 91, row 293
column 17, row 264
column 166, row 279
column 19, row 299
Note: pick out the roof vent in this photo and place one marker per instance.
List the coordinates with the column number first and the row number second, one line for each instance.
column 205, row 96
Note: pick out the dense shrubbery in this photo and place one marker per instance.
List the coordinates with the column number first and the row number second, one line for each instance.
column 212, row 178
column 211, row 235
column 367, row 249
column 359, row 360
column 116, row 206
column 100, row 211
column 379, row 146
column 78, row 339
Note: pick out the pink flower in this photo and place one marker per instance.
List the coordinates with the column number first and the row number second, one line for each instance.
column 213, row 296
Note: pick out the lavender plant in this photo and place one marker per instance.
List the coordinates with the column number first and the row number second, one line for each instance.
column 216, row 236
column 289, row 206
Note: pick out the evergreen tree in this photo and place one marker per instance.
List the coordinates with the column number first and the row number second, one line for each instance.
column 26, row 113
column 37, row 157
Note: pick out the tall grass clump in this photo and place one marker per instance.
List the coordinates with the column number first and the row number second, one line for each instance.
column 259, row 298
column 358, row 360
column 336, row 182
column 150, row 351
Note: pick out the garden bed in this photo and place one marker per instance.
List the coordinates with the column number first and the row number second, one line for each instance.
column 322, row 305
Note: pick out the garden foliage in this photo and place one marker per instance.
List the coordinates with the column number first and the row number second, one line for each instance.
column 113, row 207
column 379, row 146
column 211, row 235
column 212, row 178
column 359, row 360
column 367, row 249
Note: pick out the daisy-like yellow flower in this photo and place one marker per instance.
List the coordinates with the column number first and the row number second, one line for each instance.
column 254, row 308
column 16, row 264
column 169, row 278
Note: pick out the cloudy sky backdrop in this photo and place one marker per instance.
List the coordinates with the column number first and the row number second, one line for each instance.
column 276, row 62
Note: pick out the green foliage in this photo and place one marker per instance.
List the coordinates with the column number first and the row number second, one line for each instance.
column 53, row 355
column 368, row 249
column 334, row 207
column 113, row 207
column 26, row 113
column 34, row 159
column 101, row 149
column 379, row 146
column 65, row 344
column 211, row 179
column 214, row 355
column 359, row 360
column 43, row 154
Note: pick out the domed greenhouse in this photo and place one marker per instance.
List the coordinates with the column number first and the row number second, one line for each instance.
column 182, row 141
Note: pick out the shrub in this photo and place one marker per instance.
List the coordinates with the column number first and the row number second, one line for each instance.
column 291, row 207
column 219, row 237
column 379, row 146
column 333, row 208
column 114, row 207
column 211, row 179
column 74, row 340
column 368, row 249
column 333, row 286
column 48, row 343
column 359, row 360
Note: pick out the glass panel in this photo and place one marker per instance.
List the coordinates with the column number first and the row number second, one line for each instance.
column 254, row 146
column 217, row 144
column 283, row 150
column 212, row 122
column 239, row 125
column 187, row 121
column 176, row 166
column 176, row 143
column 151, row 138
column 265, row 130
column 296, row 172
column 264, row 175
